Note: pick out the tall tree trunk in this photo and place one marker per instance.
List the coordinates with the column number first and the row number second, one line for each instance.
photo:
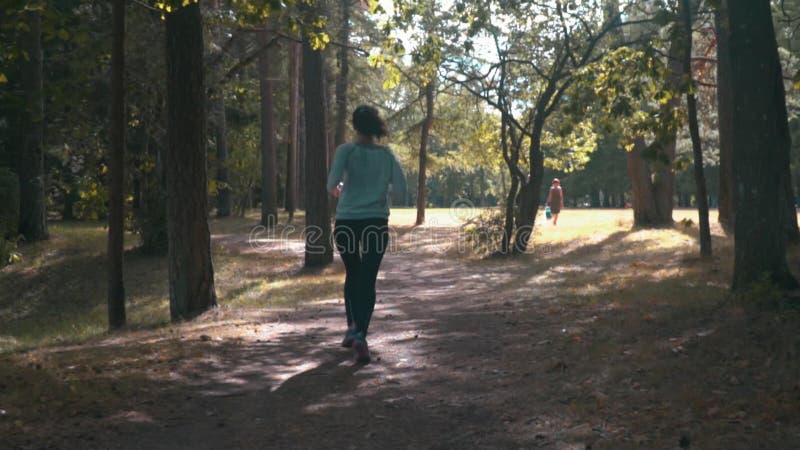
column 508, row 227
column 790, row 218
column 319, row 250
column 30, row 165
column 511, row 158
column 294, row 113
column 653, row 180
column 694, row 131
column 116, row 215
column 423, row 153
column 790, row 229
column 269, row 199
column 528, row 197
column 224, row 204
column 663, row 174
column 645, row 213
column 301, row 136
column 727, row 207
column 191, row 272
column 342, row 81
column 153, row 213
column 759, row 143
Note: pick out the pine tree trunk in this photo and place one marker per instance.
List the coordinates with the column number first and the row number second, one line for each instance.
column 790, row 218
column 423, row 154
column 153, row 213
column 694, row 131
column 759, row 143
column 224, row 205
column 727, row 207
column 191, row 273
column 269, row 199
column 319, row 250
column 790, row 229
column 30, row 164
column 294, row 113
column 342, row 81
column 301, row 136
column 116, row 214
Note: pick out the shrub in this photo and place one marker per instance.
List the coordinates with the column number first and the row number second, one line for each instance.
column 484, row 232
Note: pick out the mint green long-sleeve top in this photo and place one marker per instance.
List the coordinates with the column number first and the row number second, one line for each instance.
column 367, row 171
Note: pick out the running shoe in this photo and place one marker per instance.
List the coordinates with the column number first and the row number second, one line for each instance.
column 349, row 337
column 361, row 349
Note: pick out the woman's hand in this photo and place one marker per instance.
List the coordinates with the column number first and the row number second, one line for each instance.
column 338, row 190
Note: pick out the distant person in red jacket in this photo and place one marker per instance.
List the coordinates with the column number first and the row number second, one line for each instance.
column 555, row 199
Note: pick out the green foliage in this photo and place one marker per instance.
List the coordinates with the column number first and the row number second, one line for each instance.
column 605, row 171
column 93, row 203
column 568, row 146
column 626, row 90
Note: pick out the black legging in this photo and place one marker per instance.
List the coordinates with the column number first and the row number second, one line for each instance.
column 361, row 244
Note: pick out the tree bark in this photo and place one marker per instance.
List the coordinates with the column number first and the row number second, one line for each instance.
column 427, row 122
column 224, row 205
column 530, row 191
column 301, row 136
column 153, row 212
column 191, row 272
column 269, row 199
column 653, row 179
column 294, row 113
column 727, row 207
column 790, row 229
column 318, row 248
column 644, row 207
column 508, row 227
column 116, row 214
column 790, row 218
column 511, row 158
column 694, row 131
column 30, row 126
column 759, row 144
column 342, row 82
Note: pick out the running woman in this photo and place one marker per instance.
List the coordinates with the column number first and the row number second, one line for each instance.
column 361, row 175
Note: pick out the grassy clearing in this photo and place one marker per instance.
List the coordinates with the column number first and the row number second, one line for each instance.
column 57, row 293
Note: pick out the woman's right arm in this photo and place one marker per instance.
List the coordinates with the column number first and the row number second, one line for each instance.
column 337, row 168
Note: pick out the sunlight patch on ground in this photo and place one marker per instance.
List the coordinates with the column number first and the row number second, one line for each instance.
column 294, row 367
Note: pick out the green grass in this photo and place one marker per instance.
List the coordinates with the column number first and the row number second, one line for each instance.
column 57, row 293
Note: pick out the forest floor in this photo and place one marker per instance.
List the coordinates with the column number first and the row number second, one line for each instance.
column 603, row 337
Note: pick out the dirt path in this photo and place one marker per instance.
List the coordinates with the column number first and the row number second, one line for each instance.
column 532, row 353
column 433, row 383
